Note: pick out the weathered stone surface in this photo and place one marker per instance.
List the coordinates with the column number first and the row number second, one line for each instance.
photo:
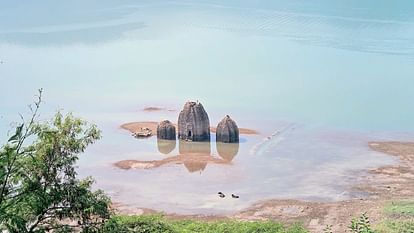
column 166, row 130
column 227, row 131
column 193, row 123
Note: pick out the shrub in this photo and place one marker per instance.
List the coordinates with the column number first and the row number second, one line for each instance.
column 361, row 225
column 39, row 189
column 158, row 224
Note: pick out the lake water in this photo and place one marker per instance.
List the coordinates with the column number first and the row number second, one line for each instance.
column 327, row 76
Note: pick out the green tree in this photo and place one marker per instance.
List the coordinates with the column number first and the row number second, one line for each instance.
column 39, row 191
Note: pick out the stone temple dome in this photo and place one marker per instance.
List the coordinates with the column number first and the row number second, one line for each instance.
column 193, row 123
column 166, row 130
column 227, row 131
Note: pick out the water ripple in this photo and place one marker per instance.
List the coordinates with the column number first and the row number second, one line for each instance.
column 385, row 36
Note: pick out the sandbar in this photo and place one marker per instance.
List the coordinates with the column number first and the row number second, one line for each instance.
column 152, row 125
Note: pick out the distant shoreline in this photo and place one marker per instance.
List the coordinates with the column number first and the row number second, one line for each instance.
column 157, row 109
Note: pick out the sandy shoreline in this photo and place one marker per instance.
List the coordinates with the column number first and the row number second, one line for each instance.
column 190, row 161
column 383, row 185
column 152, row 125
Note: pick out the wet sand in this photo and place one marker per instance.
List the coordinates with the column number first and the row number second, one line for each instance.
column 382, row 185
column 193, row 162
column 136, row 126
column 152, row 125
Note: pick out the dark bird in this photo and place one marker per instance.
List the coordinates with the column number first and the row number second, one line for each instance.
column 234, row 196
column 221, row 195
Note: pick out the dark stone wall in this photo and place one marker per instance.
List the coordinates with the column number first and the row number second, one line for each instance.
column 193, row 123
column 166, row 130
column 227, row 131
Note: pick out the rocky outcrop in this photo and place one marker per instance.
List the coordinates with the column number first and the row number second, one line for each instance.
column 193, row 123
column 227, row 131
column 166, row 130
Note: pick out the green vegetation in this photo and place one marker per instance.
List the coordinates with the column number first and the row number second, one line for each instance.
column 396, row 226
column 361, row 225
column 400, row 208
column 399, row 218
column 39, row 190
column 158, row 224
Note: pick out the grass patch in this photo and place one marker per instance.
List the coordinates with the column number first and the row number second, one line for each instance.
column 234, row 226
column 399, row 218
column 395, row 226
column 158, row 224
column 400, row 208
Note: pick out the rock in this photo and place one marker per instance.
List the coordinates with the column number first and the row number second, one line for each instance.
column 143, row 133
column 193, row 123
column 227, row 131
column 166, row 130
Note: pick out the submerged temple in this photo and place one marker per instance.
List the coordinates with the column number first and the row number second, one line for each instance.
column 166, row 130
column 193, row 123
column 227, row 131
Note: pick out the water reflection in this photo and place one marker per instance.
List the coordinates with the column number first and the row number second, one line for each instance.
column 227, row 151
column 197, row 154
column 166, row 146
column 193, row 155
column 194, row 148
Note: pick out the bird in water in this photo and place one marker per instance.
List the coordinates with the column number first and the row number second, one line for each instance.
column 234, row 196
column 221, row 195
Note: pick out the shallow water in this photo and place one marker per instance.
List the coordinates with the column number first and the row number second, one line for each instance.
column 295, row 161
column 323, row 77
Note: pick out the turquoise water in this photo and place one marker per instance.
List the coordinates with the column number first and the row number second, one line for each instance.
column 327, row 69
